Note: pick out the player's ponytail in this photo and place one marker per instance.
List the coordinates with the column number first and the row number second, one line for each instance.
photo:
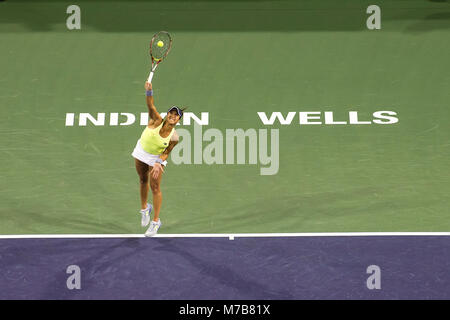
column 183, row 109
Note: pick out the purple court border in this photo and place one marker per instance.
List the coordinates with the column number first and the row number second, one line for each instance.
column 272, row 268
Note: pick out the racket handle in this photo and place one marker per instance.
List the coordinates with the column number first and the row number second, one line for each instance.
column 150, row 77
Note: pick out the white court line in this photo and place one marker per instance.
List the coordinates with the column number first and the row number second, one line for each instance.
column 231, row 236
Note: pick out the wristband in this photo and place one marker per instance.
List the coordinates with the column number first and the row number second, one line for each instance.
column 149, row 93
column 163, row 163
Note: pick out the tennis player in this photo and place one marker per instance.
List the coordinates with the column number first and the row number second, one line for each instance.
column 151, row 153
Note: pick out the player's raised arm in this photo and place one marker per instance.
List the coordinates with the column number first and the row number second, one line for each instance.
column 153, row 113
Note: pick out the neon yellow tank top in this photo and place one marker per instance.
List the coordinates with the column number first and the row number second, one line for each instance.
column 152, row 142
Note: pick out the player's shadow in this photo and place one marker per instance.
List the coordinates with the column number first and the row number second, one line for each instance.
column 228, row 278
column 112, row 265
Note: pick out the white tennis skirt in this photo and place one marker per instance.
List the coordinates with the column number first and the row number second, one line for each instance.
column 144, row 156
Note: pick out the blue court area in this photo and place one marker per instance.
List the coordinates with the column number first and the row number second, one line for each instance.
column 411, row 267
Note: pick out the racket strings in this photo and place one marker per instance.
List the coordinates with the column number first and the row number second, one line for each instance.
column 157, row 51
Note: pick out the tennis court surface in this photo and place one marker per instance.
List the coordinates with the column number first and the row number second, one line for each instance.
column 342, row 129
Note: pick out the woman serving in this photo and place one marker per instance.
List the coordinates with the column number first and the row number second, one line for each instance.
column 151, row 153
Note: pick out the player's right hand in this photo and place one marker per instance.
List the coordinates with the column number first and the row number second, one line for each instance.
column 148, row 85
column 156, row 171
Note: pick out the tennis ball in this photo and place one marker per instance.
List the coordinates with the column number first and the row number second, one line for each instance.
column 160, row 43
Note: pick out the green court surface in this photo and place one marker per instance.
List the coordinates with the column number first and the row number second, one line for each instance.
column 231, row 59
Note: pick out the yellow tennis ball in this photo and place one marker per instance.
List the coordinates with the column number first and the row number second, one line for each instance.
column 160, row 43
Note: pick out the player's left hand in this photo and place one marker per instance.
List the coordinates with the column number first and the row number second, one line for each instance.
column 156, row 171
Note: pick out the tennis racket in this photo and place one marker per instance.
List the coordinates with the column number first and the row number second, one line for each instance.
column 159, row 49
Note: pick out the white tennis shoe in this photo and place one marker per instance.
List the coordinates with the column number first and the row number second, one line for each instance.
column 145, row 215
column 153, row 229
